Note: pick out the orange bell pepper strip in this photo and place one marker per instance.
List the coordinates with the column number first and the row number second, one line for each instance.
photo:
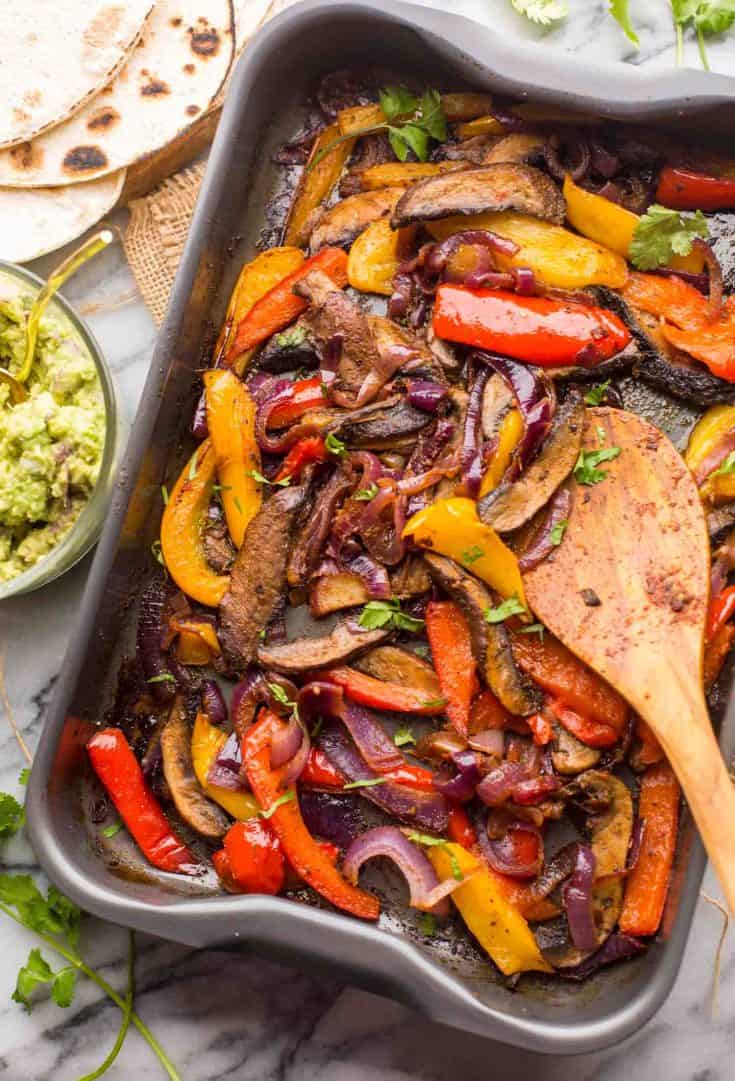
column 550, row 333
column 181, row 539
column 569, row 680
column 682, row 189
column 231, row 424
column 255, row 857
column 119, row 771
column 713, row 345
column 301, row 850
column 451, row 648
column 308, row 451
column 294, row 401
column 647, row 884
column 593, row 733
column 318, row 179
column 378, row 694
column 280, row 306
column 668, row 297
column 716, row 650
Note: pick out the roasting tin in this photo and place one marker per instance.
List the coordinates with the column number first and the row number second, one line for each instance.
column 445, row 977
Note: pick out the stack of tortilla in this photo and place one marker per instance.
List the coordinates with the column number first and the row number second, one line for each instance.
column 95, row 89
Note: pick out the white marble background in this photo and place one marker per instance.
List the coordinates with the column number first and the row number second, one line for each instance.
column 226, row 1016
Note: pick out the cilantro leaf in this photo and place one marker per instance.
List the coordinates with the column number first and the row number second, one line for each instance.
column 397, row 101
column 258, row 476
column 35, row 971
column 557, row 533
column 388, row 614
column 112, row 830
column 586, row 471
column 280, row 694
column 728, row 466
column 157, row 553
column 368, row 782
column 12, row 815
column 422, row 651
column 285, row 798
column 366, row 494
column 402, row 737
column 596, row 394
column 335, row 445
column 24, row 775
column 543, row 12
column 431, row 115
column 471, row 555
column 290, row 339
column 511, row 607
column 164, row 495
column 427, row 924
column 406, row 138
column 706, row 18
column 715, row 18
column 164, row 677
column 428, row 841
column 434, row 703
column 662, row 233
column 534, row 628
column 63, row 987
column 621, row 14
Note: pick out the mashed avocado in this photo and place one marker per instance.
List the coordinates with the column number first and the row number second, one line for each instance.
column 50, row 445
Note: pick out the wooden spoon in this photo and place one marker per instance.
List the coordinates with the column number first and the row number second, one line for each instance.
column 627, row 591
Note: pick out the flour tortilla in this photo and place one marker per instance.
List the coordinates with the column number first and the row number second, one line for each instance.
column 34, row 221
column 55, row 61
column 170, row 79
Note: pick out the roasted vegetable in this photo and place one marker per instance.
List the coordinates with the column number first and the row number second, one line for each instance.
column 345, row 221
column 231, row 423
column 320, row 176
column 303, row 654
column 647, row 884
column 375, row 257
column 451, row 646
column 199, row 812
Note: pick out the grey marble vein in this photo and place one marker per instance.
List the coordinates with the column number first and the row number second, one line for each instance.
column 233, row 1016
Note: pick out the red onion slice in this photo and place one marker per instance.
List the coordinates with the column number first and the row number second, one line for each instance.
column 577, row 895
column 541, row 544
column 498, row 785
column 285, row 743
column 491, row 741
column 213, row 703
column 425, row 395
column 426, row 892
column 225, row 771
column 503, row 856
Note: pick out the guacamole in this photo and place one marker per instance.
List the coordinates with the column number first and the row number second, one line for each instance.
column 51, row 445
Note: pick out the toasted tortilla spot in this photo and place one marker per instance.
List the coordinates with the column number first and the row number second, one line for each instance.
column 155, row 88
column 103, row 119
column 177, row 21
column 81, row 159
column 33, row 97
column 192, row 110
column 25, row 156
column 205, row 42
column 189, row 69
column 101, row 31
column 20, row 115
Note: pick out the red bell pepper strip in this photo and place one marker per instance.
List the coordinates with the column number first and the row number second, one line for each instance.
column 682, row 189
column 721, row 611
column 224, row 871
column 647, row 884
column 550, row 333
column 294, row 401
column 377, row 693
column 460, row 829
column 255, row 857
column 569, row 680
column 281, row 306
column 451, row 648
column 319, row 771
column 119, row 770
column 593, row 733
column 307, row 451
column 301, row 850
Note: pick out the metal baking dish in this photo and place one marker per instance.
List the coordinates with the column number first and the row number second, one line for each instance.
column 445, row 978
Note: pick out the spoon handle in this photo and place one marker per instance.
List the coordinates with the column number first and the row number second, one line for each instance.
column 90, row 247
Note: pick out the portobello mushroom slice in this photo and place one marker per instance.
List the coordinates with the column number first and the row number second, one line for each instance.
column 196, row 809
column 258, row 578
column 514, row 503
column 391, row 424
column 410, row 578
column 342, row 224
column 655, row 360
column 569, row 755
column 345, row 641
column 333, row 592
column 610, row 833
column 396, row 665
column 289, row 350
column 720, row 521
column 497, row 402
column 501, row 186
column 519, row 148
column 332, row 313
column 490, row 641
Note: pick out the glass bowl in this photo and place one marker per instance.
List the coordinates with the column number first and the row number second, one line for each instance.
column 86, row 529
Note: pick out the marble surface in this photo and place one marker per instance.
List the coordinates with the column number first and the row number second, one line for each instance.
column 225, row 1016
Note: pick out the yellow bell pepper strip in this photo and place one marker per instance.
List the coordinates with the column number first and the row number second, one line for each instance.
column 509, row 437
column 304, row 854
column 376, row 255
column 560, row 258
column 711, row 441
column 256, row 279
column 452, row 528
column 197, row 641
column 599, row 219
column 357, row 118
column 181, row 529
column 494, row 921
column 401, row 174
column 231, row 424
column 320, row 175
column 206, row 743
column 483, row 125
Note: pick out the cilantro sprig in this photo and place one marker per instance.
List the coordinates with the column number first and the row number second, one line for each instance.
column 411, row 123
column 705, row 18
column 586, row 468
column 620, row 12
column 542, row 12
column 662, row 233
column 510, row 607
column 388, row 614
